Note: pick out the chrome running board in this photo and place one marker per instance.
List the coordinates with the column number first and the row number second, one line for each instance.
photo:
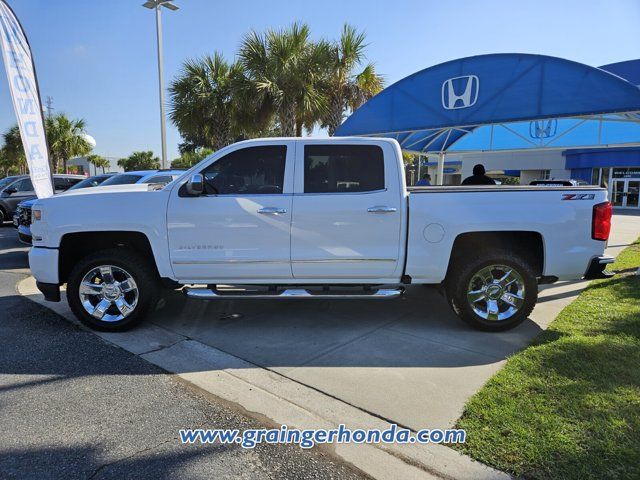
column 293, row 294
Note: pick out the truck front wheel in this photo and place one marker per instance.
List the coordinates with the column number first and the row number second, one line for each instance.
column 492, row 291
column 112, row 290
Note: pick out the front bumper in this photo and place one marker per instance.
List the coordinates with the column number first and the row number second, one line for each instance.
column 597, row 268
column 43, row 263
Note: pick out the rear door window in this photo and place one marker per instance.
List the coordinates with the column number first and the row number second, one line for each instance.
column 343, row 168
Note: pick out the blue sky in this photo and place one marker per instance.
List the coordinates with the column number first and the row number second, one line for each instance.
column 97, row 58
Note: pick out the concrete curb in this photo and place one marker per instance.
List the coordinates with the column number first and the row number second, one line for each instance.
column 263, row 393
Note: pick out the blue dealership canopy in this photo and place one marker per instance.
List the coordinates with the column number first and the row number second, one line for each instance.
column 502, row 101
column 629, row 70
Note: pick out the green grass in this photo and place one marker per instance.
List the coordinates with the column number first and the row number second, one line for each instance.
column 568, row 407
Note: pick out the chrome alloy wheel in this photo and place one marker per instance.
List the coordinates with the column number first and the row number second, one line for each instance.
column 108, row 293
column 496, row 292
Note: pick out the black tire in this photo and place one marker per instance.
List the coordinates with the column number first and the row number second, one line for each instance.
column 465, row 269
column 3, row 217
column 140, row 269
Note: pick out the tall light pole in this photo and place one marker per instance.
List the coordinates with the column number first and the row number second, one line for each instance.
column 156, row 5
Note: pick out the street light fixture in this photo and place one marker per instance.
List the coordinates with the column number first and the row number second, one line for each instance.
column 155, row 5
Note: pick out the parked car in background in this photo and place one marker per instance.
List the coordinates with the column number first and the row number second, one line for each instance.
column 94, row 181
column 313, row 218
column 22, row 216
column 154, row 177
column 7, row 180
column 19, row 189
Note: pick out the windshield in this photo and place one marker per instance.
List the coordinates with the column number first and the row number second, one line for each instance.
column 122, row 179
column 6, row 181
column 89, row 182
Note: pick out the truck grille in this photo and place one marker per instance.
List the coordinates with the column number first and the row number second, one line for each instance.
column 24, row 216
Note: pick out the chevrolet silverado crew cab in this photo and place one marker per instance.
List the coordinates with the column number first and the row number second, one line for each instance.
column 313, row 219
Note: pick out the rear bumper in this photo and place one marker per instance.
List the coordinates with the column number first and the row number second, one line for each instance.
column 597, row 268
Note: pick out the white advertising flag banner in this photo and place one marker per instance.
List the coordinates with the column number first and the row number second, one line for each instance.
column 18, row 63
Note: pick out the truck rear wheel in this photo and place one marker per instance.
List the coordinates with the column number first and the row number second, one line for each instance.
column 492, row 291
column 112, row 290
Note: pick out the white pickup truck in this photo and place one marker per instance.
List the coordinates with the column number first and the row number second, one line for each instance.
column 313, row 219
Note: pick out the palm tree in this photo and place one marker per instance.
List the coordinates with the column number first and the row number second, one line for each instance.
column 189, row 159
column 13, row 151
column 201, row 102
column 98, row 162
column 139, row 161
column 66, row 139
column 282, row 76
column 345, row 89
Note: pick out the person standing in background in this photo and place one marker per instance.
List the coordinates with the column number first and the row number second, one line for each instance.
column 479, row 177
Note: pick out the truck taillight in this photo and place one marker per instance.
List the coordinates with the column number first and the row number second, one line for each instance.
column 601, row 224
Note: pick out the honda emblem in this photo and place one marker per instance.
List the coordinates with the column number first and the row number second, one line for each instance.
column 460, row 92
column 543, row 128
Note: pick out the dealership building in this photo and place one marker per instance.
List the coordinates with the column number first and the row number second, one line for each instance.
column 615, row 168
column 524, row 117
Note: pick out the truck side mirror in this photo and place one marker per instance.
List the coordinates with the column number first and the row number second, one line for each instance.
column 195, row 185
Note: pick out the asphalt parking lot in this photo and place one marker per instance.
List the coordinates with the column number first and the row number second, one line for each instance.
column 409, row 361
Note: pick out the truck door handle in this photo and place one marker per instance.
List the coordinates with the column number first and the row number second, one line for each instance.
column 382, row 209
column 272, row 211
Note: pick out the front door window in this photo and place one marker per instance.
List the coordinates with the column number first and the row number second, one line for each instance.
column 248, row 171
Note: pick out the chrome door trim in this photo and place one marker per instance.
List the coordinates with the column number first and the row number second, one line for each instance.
column 341, row 260
column 224, row 262
column 235, row 261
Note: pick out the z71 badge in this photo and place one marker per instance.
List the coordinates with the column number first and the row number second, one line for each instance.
column 578, row 196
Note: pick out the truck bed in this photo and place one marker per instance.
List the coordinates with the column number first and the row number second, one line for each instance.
column 561, row 216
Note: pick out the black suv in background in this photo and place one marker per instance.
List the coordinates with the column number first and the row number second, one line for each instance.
column 14, row 190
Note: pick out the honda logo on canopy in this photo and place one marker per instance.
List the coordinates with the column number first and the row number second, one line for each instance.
column 460, row 92
column 543, row 128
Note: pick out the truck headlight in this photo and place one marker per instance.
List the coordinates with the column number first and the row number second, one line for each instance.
column 37, row 215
